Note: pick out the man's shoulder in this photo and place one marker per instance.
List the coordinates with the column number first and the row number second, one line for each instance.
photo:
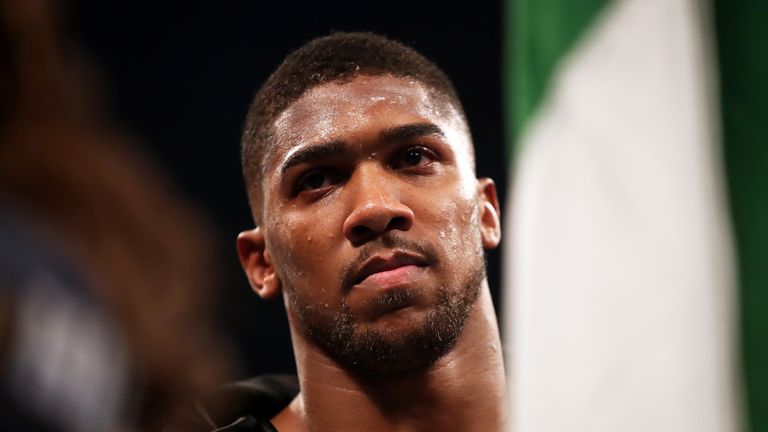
column 246, row 405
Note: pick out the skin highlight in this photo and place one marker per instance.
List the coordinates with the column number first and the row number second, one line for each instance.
column 365, row 173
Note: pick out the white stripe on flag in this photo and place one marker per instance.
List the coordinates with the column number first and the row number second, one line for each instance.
column 620, row 304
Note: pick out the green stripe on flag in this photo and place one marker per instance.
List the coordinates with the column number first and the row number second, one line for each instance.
column 532, row 56
column 742, row 34
column 619, row 290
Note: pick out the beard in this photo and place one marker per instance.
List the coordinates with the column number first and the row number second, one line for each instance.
column 378, row 349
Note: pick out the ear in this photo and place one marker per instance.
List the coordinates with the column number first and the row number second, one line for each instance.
column 489, row 216
column 257, row 263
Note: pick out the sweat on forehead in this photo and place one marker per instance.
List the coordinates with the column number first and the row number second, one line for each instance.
column 339, row 57
column 379, row 105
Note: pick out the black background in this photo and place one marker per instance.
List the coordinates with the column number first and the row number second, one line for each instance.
column 179, row 77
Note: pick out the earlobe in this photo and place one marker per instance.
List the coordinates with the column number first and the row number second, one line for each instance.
column 257, row 263
column 489, row 213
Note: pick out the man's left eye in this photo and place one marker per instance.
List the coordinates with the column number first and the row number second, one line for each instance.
column 413, row 157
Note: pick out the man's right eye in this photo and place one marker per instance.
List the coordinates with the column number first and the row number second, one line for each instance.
column 314, row 180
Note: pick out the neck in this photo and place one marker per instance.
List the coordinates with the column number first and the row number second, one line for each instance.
column 464, row 390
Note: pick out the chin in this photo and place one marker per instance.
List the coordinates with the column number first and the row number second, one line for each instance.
column 408, row 331
column 402, row 340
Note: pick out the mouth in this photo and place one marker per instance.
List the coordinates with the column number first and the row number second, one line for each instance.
column 387, row 270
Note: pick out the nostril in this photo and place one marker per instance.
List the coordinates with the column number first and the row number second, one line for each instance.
column 360, row 231
column 398, row 223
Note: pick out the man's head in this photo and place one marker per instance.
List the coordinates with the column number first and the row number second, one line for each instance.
column 360, row 171
column 336, row 58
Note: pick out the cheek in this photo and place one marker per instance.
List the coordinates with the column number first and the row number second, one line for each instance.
column 283, row 233
column 300, row 250
column 457, row 222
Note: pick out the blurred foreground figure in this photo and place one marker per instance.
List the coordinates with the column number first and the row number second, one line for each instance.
column 103, row 271
column 371, row 221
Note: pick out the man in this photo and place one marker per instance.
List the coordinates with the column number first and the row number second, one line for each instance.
column 371, row 222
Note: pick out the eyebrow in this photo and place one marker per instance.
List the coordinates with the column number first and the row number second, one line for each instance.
column 408, row 131
column 314, row 152
column 332, row 148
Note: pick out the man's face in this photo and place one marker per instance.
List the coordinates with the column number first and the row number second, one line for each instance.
column 372, row 221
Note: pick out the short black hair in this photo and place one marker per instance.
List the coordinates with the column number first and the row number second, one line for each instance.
column 336, row 57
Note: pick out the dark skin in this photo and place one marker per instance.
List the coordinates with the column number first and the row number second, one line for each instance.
column 354, row 163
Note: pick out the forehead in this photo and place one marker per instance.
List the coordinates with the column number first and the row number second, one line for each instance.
column 354, row 110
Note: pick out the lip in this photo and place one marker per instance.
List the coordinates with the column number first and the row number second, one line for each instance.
column 383, row 267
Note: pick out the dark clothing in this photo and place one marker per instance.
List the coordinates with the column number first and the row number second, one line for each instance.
column 64, row 365
column 239, row 407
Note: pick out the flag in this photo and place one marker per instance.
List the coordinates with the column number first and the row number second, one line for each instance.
column 636, row 229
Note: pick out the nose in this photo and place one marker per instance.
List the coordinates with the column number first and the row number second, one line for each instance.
column 377, row 207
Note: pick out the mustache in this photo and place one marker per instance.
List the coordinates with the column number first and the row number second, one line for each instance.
column 388, row 241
